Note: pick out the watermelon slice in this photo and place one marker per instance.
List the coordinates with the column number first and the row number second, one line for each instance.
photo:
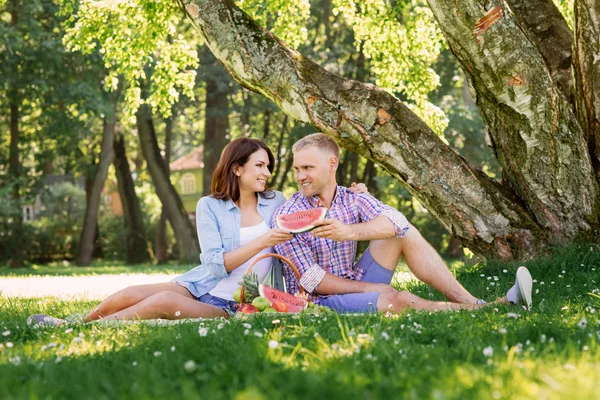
column 301, row 221
column 294, row 304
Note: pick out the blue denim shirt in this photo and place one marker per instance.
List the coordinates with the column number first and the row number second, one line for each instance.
column 218, row 223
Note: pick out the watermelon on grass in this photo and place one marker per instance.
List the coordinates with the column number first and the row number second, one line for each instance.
column 301, row 221
column 293, row 303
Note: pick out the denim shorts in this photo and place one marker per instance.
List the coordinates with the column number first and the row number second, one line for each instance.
column 360, row 302
column 226, row 305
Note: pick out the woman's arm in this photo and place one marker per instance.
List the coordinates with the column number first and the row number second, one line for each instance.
column 239, row 256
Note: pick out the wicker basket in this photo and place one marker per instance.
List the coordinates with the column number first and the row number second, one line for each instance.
column 282, row 258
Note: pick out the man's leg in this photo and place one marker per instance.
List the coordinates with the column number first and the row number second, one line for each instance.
column 423, row 261
column 396, row 302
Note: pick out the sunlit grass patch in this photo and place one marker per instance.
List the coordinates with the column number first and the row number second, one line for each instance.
column 501, row 351
column 66, row 268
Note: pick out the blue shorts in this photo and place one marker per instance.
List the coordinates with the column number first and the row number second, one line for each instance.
column 360, row 302
column 226, row 305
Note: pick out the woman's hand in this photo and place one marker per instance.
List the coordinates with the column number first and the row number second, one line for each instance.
column 358, row 188
column 276, row 236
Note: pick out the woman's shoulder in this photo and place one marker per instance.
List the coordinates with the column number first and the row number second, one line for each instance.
column 210, row 203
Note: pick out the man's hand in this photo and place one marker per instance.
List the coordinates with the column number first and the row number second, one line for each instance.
column 358, row 188
column 333, row 229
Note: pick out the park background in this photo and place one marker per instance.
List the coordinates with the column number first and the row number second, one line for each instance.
column 113, row 116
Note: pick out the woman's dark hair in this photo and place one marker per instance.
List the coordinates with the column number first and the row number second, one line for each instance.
column 224, row 184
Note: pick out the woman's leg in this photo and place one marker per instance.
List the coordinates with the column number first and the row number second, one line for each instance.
column 168, row 305
column 132, row 295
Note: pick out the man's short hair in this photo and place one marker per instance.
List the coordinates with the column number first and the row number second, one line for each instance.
column 319, row 140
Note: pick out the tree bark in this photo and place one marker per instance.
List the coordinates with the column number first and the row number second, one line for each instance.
column 136, row 242
column 185, row 234
column 161, row 233
column 93, row 196
column 539, row 143
column 487, row 217
column 587, row 73
column 546, row 28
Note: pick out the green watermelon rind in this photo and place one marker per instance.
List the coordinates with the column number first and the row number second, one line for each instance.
column 305, row 229
column 296, row 307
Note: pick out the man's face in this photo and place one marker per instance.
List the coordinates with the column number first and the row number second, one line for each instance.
column 315, row 170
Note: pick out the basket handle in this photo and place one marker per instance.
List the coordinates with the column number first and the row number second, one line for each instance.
column 267, row 255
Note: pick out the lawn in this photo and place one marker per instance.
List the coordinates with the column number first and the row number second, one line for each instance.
column 501, row 352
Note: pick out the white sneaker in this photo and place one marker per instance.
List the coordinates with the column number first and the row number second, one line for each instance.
column 525, row 285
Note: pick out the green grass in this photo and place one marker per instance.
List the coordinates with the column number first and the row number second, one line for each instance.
column 65, row 268
column 550, row 352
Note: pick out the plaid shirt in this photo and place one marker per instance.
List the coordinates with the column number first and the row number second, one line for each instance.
column 315, row 256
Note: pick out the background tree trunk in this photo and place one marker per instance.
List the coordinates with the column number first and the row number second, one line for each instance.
column 216, row 127
column 185, row 234
column 14, row 165
column 136, row 242
column 93, row 196
column 14, row 169
column 161, row 233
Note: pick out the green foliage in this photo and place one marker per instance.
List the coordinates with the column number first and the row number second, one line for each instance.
column 57, row 229
column 401, row 42
column 499, row 352
column 133, row 37
column 287, row 19
column 567, row 9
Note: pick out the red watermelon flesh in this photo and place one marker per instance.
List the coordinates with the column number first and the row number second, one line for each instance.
column 294, row 304
column 301, row 221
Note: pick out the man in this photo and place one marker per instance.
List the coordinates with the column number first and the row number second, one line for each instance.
column 325, row 256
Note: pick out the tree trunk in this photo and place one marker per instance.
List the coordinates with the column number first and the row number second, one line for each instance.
column 587, row 73
column 540, row 146
column 161, row 233
column 546, row 28
column 266, row 124
column 14, row 165
column 552, row 193
column 279, row 151
column 216, row 128
column 185, row 234
column 93, row 196
column 368, row 178
column 14, row 169
column 136, row 242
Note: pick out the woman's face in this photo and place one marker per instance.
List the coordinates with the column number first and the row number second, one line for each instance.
column 253, row 175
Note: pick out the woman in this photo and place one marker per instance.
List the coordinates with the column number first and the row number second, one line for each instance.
column 233, row 228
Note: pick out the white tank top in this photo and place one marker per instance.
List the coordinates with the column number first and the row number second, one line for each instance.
column 226, row 286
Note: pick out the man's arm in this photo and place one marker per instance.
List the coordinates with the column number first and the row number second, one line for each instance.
column 379, row 228
column 379, row 222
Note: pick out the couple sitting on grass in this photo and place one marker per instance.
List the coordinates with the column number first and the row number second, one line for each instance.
column 235, row 226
